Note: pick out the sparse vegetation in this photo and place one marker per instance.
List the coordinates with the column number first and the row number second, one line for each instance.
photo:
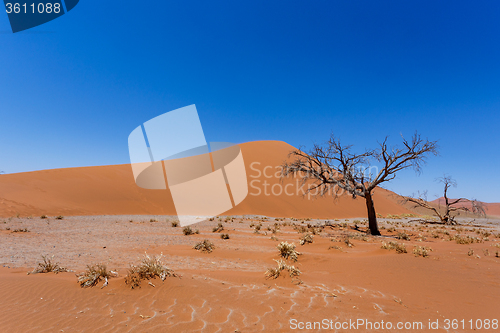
column 94, row 274
column 188, row 231
column 400, row 248
column 403, row 236
column 43, row 217
column 204, row 246
column 47, row 266
column 470, row 252
column 175, row 224
column 153, row 220
column 274, row 273
column 306, row 238
column 149, row 268
column 465, row 239
column 60, row 217
column 224, row 236
column 218, row 228
column 287, row 251
column 19, row 230
column 421, row 251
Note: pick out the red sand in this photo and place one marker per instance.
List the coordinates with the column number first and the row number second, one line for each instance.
column 111, row 190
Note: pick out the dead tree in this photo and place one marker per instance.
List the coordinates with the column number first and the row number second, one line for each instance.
column 452, row 207
column 334, row 168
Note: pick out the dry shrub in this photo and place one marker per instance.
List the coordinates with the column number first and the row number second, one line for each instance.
column 188, row 231
column 48, row 266
column 43, row 217
column 306, row 238
column 224, row 236
column 465, row 239
column 348, row 242
column 421, row 251
column 149, row 268
column 335, row 247
column 274, row 273
column 400, row 248
column 94, row 274
column 153, row 220
column 204, row 246
column 60, row 217
column 287, row 251
column 403, row 236
column 20, row 230
column 175, row 224
column 470, row 253
column 218, row 228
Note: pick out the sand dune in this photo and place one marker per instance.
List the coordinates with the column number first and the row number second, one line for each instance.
column 111, row 190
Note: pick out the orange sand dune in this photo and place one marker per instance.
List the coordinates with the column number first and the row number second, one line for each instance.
column 111, row 190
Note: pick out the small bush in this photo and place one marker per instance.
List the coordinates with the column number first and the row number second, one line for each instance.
column 43, row 217
column 60, row 217
column 204, row 246
column 335, row 247
column 348, row 242
column 274, row 273
column 149, row 268
column 400, row 248
column 153, row 220
column 470, row 253
column 94, row 274
column 466, row 240
column 20, row 230
column 188, row 231
column 403, row 236
column 306, row 238
column 224, row 236
column 175, row 224
column 288, row 251
column 421, row 251
column 48, row 266
column 218, row 228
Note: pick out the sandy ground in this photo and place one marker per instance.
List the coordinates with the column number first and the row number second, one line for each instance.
column 226, row 290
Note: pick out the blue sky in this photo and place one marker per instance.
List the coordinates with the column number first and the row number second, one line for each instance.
column 73, row 89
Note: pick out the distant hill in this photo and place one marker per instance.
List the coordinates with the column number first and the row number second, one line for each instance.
column 111, row 190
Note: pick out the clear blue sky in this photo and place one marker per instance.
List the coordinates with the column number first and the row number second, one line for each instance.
column 73, row 89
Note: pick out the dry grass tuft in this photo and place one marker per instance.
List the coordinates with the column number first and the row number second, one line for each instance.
column 20, row 230
column 274, row 273
column 421, row 251
column 306, row 238
column 335, row 247
column 149, row 268
column 48, row 266
column 43, row 217
column 287, row 251
column 188, row 231
column 348, row 242
column 224, row 236
column 60, row 217
column 94, row 274
column 204, row 246
column 403, row 236
column 400, row 248
column 470, row 253
column 175, row 224
column 466, row 239
column 218, row 228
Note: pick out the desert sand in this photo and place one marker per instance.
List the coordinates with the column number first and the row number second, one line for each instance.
column 107, row 219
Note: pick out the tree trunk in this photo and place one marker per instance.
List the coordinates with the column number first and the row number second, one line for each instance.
column 372, row 217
